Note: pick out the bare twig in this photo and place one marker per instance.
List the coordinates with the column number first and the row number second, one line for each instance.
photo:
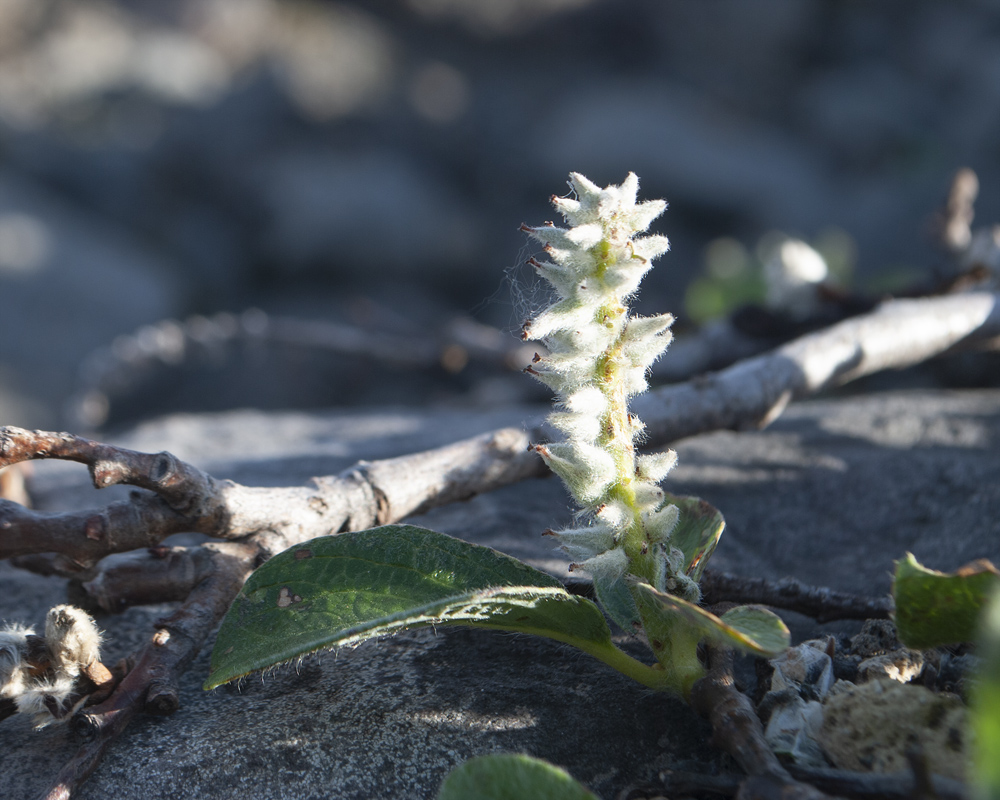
column 737, row 730
column 819, row 602
column 154, row 575
column 151, row 685
column 753, row 393
column 187, row 499
column 750, row 394
column 752, row 329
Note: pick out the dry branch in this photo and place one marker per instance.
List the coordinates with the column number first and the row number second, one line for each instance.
column 754, row 392
column 145, row 577
column 737, row 730
column 819, row 602
column 186, row 499
column 151, row 684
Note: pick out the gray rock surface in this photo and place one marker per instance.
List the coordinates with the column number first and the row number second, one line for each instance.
column 831, row 493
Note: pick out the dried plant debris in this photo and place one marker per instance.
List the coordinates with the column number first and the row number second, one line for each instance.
column 50, row 677
column 871, row 722
column 792, row 710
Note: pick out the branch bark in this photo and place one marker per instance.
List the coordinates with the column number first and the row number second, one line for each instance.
column 819, row 602
column 144, row 577
column 753, row 393
column 186, row 499
column 737, row 730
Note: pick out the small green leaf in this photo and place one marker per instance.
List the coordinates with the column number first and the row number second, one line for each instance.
column 936, row 608
column 750, row 628
column 674, row 641
column 697, row 532
column 617, row 601
column 344, row 589
column 985, row 706
column 699, row 527
column 765, row 632
column 511, row 777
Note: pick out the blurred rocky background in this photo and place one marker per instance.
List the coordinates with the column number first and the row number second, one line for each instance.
column 212, row 204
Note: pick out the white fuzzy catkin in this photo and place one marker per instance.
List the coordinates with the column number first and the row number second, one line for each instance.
column 42, row 696
column 13, row 650
column 598, row 357
column 73, row 644
column 72, row 639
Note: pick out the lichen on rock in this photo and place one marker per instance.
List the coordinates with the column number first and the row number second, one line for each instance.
column 869, row 727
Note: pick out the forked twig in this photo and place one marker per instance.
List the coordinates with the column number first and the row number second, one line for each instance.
column 749, row 394
column 819, row 602
column 737, row 730
column 151, row 684
column 186, row 499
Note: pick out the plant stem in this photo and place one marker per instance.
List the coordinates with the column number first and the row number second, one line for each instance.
column 652, row 677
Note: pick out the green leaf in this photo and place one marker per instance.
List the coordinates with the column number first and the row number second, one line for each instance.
column 699, row 527
column 750, row 628
column 344, row 589
column 617, row 601
column 985, row 705
column 936, row 608
column 697, row 533
column 511, row 777
column 762, row 632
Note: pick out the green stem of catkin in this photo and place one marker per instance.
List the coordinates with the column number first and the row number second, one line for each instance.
column 653, row 677
column 618, row 441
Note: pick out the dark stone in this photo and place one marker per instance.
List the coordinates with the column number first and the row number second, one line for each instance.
column 831, row 494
